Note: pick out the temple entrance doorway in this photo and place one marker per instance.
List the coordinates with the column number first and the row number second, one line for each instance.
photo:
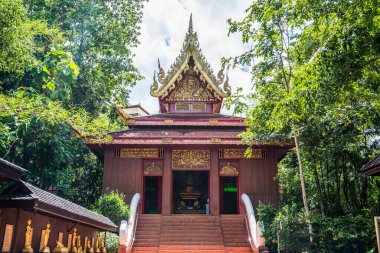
column 229, row 195
column 152, row 195
column 191, row 192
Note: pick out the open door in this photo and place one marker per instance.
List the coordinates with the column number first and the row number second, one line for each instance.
column 152, row 195
column 229, row 195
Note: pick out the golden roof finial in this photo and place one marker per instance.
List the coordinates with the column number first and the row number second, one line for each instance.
column 190, row 30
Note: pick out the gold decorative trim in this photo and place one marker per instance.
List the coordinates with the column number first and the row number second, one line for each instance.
column 182, row 107
column 199, row 107
column 240, row 153
column 168, row 122
column 213, row 122
column 139, row 153
column 257, row 153
column 228, row 170
column 215, row 140
column 152, row 169
column 194, row 159
column 167, row 140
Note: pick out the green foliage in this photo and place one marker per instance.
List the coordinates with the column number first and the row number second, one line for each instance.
column 287, row 228
column 16, row 47
column 100, row 36
column 112, row 205
column 112, row 242
column 57, row 73
column 37, row 133
column 315, row 72
column 63, row 66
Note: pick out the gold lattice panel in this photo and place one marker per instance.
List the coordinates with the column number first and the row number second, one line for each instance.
column 193, row 159
column 139, row 153
column 240, row 153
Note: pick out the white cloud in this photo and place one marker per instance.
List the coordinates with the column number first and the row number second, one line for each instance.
column 163, row 30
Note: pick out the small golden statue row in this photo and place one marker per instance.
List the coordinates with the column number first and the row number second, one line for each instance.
column 60, row 248
column 77, row 247
column 28, row 238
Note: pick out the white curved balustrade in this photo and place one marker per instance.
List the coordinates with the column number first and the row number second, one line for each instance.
column 254, row 231
column 128, row 228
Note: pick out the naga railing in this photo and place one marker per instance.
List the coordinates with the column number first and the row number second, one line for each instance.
column 127, row 229
column 254, row 232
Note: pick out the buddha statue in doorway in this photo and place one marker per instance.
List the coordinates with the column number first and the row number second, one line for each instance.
column 189, row 195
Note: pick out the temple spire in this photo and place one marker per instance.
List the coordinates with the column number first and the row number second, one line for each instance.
column 190, row 30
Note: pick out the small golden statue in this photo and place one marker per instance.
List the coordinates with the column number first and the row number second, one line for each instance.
column 89, row 248
column 97, row 250
column 60, row 248
column 74, row 242
column 80, row 249
column 28, row 237
column 45, row 248
column 102, row 246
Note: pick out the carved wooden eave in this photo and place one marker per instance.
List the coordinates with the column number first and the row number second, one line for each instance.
column 163, row 83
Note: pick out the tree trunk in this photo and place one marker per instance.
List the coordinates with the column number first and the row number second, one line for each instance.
column 304, row 197
column 318, row 185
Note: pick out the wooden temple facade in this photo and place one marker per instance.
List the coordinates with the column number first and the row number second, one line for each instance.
column 189, row 159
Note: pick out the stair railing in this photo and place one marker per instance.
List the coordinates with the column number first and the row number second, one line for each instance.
column 377, row 220
column 127, row 229
column 254, row 232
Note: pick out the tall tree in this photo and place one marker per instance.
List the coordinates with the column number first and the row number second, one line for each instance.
column 315, row 71
column 100, row 35
column 46, row 98
column 269, row 24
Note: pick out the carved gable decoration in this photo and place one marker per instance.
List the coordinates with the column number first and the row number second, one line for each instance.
column 191, row 159
column 190, row 88
column 190, row 57
column 152, row 169
column 228, row 170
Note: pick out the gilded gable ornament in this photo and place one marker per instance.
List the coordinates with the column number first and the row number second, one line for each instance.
column 190, row 49
column 228, row 170
column 190, row 89
column 152, row 169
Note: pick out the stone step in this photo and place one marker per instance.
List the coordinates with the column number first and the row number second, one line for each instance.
column 191, row 233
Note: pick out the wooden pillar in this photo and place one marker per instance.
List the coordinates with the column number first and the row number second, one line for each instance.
column 167, row 184
column 214, row 183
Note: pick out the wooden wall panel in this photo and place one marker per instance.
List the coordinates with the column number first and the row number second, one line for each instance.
column 214, row 183
column 38, row 224
column 122, row 174
column 167, row 184
column 257, row 179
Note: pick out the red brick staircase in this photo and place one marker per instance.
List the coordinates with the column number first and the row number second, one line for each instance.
column 191, row 233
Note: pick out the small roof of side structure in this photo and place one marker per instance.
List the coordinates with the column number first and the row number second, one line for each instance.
column 26, row 196
column 372, row 168
column 10, row 171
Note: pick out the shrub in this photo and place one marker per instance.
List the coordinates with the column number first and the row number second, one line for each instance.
column 286, row 229
column 112, row 242
column 112, row 205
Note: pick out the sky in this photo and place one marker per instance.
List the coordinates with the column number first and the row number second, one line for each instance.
column 163, row 30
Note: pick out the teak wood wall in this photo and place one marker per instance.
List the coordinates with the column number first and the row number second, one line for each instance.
column 256, row 178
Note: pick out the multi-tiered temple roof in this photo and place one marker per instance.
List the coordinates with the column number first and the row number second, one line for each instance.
column 190, row 97
column 190, row 84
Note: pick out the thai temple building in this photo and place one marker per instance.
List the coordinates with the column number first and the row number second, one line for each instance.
column 184, row 170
